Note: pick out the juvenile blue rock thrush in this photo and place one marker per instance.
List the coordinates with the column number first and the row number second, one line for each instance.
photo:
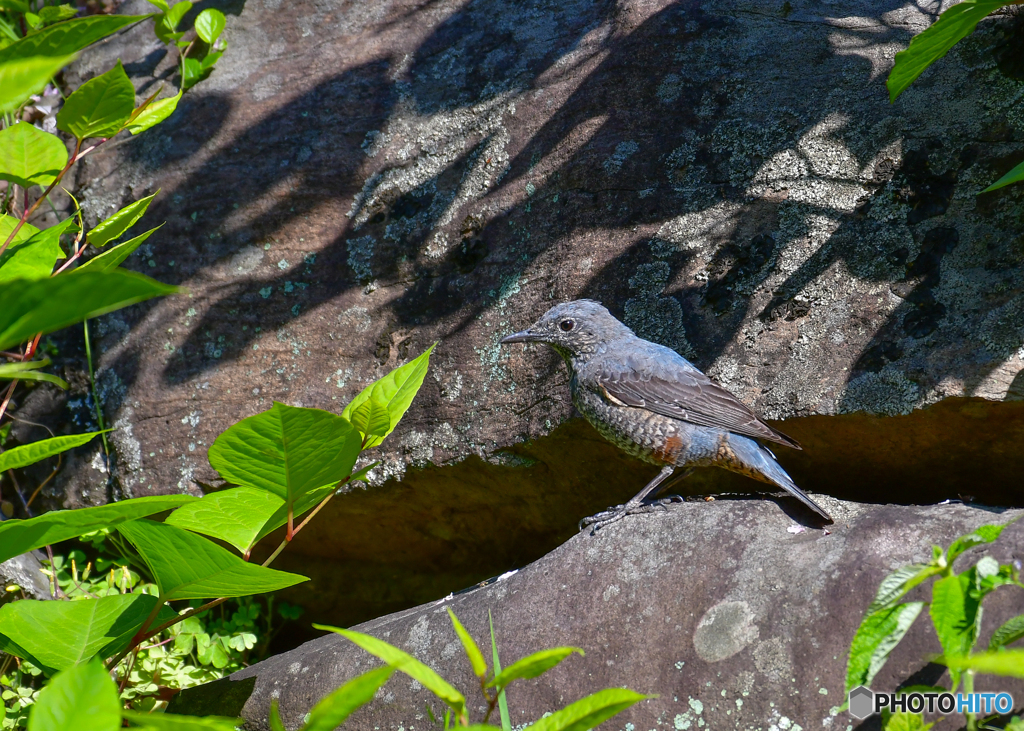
column 653, row 403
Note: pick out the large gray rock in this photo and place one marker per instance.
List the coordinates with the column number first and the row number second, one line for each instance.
column 358, row 180
column 728, row 610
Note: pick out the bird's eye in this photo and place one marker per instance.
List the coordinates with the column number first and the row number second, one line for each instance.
column 567, row 325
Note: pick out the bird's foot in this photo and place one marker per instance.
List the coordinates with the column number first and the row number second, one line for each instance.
column 617, row 513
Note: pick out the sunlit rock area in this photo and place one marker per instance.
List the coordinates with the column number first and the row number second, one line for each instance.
column 358, row 180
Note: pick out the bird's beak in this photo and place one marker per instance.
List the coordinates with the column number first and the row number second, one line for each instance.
column 524, row 336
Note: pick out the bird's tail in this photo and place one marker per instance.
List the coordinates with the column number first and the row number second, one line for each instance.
column 758, row 462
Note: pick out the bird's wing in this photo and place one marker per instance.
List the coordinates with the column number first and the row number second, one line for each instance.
column 668, row 385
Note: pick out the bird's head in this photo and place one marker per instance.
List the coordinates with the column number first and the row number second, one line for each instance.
column 574, row 329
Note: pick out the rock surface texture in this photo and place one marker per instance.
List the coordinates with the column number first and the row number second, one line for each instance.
column 358, row 180
column 720, row 608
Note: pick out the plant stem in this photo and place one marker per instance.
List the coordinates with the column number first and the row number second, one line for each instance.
column 276, row 553
column 972, row 720
column 139, row 639
column 95, row 396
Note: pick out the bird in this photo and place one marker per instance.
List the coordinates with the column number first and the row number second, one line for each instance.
column 656, row 405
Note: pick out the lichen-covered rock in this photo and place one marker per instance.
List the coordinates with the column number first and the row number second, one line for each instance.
column 726, row 610
column 358, row 180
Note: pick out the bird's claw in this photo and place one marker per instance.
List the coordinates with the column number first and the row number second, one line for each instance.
column 614, row 515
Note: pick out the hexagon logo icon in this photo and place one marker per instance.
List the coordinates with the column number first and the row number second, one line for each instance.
column 862, row 702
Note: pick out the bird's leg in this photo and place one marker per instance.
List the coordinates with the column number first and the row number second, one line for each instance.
column 638, row 504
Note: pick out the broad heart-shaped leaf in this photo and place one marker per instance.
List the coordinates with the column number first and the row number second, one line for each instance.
column 187, row 566
column 396, row 391
column 371, row 417
column 935, row 41
column 26, row 454
column 476, row 658
column 7, row 224
column 1009, row 663
column 153, row 114
column 21, row 536
column 106, row 231
column 588, row 712
column 112, row 257
column 287, row 450
column 236, row 516
column 62, row 634
column 34, row 257
column 332, row 711
column 83, row 698
column 1010, row 631
column 28, row 371
column 24, row 77
column 981, row 535
column 406, row 663
column 209, row 25
column 174, row 722
column 100, row 107
column 1014, row 176
column 29, row 156
column 532, row 665
column 878, row 634
column 68, row 37
column 31, row 306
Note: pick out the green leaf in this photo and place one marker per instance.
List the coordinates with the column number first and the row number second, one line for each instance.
column 234, row 516
column 903, row 721
column 506, row 721
column 1010, row 631
column 83, row 698
column 34, row 257
column 981, row 535
column 26, row 454
column 162, row 4
column 333, row 710
column 112, row 258
column 934, row 42
column 29, row 156
column 50, row 14
column 1014, row 176
column 588, row 712
column 532, row 665
column 395, row 391
column 61, row 634
column 153, row 114
column 275, row 717
column 68, row 37
column 108, row 230
column 192, row 69
column 1008, row 663
column 21, row 536
column 100, row 107
column 899, row 582
column 372, row 417
column 286, row 450
column 174, row 14
column 28, row 307
column 406, row 663
column 7, row 224
column 187, row 566
column 209, row 25
column 954, row 611
column 303, row 504
column 172, row 722
column 476, row 658
column 24, row 77
column 27, row 371
column 878, row 634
